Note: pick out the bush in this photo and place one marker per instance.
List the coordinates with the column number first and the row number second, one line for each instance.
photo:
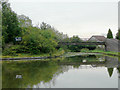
column 77, row 48
column 13, row 50
column 90, row 47
column 84, row 50
column 38, row 41
column 9, row 51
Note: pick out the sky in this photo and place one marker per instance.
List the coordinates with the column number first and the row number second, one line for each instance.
column 79, row 17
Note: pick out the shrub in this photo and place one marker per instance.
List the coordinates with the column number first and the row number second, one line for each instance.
column 9, row 51
column 84, row 50
column 38, row 41
column 13, row 50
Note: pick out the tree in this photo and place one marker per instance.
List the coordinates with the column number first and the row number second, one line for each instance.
column 37, row 41
column 75, row 48
column 58, row 36
column 118, row 35
column 24, row 21
column 110, row 71
column 10, row 24
column 109, row 35
column 45, row 26
column 75, row 39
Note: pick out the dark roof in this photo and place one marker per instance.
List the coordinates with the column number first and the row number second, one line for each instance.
column 100, row 38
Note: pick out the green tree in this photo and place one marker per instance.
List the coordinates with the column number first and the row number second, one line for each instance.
column 109, row 35
column 75, row 48
column 45, row 26
column 75, row 39
column 24, row 21
column 38, row 41
column 10, row 24
column 118, row 35
column 58, row 36
column 0, row 25
column 110, row 71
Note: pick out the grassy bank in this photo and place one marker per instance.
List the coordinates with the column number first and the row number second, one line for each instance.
column 103, row 52
column 22, row 55
column 61, row 52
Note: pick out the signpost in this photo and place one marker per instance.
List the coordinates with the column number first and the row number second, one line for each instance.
column 17, row 39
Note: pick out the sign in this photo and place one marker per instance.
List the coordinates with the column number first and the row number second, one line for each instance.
column 18, row 39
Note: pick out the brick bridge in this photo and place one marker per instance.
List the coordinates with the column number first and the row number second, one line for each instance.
column 110, row 44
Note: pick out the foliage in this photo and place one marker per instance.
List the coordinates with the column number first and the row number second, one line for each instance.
column 84, row 50
column 58, row 36
column 77, row 48
column 10, row 24
column 109, row 35
column 9, row 51
column 38, row 41
column 118, row 35
column 110, row 71
column 24, row 21
column 74, row 48
column 45, row 26
column 75, row 39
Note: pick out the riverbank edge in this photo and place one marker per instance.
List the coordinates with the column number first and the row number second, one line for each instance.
column 45, row 57
column 109, row 54
column 106, row 53
column 31, row 58
column 49, row 57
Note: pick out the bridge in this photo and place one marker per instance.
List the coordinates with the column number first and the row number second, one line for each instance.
column 82, row 43
column 110, row 44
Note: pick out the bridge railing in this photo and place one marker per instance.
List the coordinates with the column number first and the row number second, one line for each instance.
column 82, row 43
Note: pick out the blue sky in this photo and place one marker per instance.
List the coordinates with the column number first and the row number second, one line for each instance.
column 83, row 18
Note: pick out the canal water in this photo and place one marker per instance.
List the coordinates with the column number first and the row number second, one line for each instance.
column 82, row 71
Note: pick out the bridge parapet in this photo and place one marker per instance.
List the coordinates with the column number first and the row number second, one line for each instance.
column 112, row 45
column 82, row 43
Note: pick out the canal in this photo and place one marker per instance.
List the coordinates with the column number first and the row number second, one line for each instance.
column 81, row 71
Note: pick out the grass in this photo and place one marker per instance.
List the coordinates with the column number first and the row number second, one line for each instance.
column 22, row 55
column 105, row 52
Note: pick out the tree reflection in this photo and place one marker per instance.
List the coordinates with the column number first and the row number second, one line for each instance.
column 110, row 71
column 32, row 73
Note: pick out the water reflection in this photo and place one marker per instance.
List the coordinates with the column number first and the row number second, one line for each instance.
column 110, row 71
column 60, row 73
column 111, row 62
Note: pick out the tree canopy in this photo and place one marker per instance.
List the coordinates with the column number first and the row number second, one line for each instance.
column 10, row 24
column 118, row 35
column 109, row 35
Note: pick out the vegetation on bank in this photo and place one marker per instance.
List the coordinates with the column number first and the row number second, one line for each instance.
column 102, row 52
column 22, row 55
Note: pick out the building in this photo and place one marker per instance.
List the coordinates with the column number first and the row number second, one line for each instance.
column 97, row 38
